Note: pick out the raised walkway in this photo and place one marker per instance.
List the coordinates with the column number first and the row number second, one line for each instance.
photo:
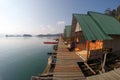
column 66, row 68
column 66, row 65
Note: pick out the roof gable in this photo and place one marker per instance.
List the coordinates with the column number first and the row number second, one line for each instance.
column 78, row 27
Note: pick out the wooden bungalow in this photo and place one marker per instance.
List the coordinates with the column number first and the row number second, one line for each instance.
column 67, row 33
column 95, row 32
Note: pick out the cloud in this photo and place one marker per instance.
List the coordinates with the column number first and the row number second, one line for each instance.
column 46, row 29
column 51, row 29
column 61, row 23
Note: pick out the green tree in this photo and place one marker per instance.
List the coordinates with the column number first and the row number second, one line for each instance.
column 108, row 11
column 115, row 12
column 118, row 13
column 118, row 10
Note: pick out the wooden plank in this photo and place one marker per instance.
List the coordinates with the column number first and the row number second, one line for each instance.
column 66, row 65
column 74, row 78
column 68, row 69
column 68, row 73
column 95, row 77
column 117, row 71
column 107, row 77
column 113, row 75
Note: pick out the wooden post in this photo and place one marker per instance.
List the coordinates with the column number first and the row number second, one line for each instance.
column 103, row 64
column 88, row 48
column 90, row 68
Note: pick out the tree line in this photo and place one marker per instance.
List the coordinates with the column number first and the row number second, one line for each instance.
column 115, row 12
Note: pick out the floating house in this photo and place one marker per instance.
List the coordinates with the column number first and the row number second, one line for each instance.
column 95, row 32
column 96, row 27
column 67, row 32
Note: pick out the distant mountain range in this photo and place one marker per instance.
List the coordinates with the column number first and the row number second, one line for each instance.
column 24, row 35
column 29, row 35
column 48, row 35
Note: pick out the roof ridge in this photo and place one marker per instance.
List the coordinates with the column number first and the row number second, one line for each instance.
column 78, row 14
column 98, row 13
column 95, row 12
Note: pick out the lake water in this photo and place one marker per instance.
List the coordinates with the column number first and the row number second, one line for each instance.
column 21, row 58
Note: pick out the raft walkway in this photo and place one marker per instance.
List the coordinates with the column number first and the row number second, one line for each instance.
column 66, row 65
column 67, row 68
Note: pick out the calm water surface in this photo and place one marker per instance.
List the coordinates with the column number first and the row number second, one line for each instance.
column 20, row 58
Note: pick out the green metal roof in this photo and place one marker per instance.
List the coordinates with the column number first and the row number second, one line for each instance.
column 91, row 30
column 68, row 30
column 107, row 24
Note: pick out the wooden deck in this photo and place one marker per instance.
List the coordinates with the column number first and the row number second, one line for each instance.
column 111, row 75
column 66, row 68
column 66, row 65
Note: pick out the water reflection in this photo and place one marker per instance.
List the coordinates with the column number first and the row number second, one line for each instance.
column 20, row 58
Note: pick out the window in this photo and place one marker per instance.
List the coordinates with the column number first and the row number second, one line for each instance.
column 93, row 41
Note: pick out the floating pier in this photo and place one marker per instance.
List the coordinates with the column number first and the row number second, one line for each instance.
column 66, row 67
column 66, row 64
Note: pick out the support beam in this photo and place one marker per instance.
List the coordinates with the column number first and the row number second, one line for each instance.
column 103, row 64
column 89, row 68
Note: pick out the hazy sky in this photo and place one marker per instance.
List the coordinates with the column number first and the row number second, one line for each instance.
column 45, row 16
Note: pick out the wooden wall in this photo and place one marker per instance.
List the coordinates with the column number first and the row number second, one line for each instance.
column 114, row 44
column 81, row 44
column 96, row 45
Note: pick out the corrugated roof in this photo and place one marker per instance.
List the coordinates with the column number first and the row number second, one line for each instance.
column 91, row 30
column 107, row 23
column 68, row 30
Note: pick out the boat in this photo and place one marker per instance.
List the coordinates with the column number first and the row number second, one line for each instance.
column 50, row 42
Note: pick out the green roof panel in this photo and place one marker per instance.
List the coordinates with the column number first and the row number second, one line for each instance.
column 68, row 30
column 91, row 30
column 107, row 23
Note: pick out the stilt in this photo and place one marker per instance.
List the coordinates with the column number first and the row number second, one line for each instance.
column 103, row 64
